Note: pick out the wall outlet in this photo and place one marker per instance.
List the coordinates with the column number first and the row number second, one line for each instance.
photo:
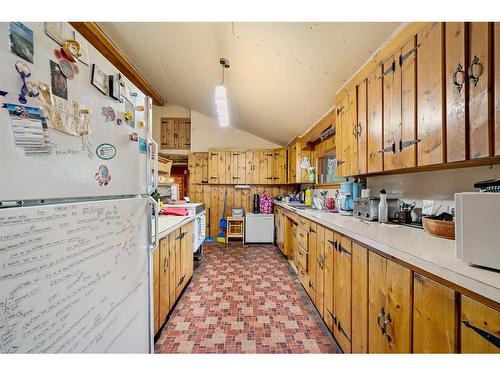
column 427, row 207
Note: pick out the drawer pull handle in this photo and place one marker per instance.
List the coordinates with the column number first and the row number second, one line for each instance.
column 486, row 335
column 165, row 264
column 458, row 85
column 470, row 72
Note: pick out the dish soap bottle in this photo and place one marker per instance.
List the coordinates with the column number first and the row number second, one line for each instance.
column 383, row 208
column 308, row 197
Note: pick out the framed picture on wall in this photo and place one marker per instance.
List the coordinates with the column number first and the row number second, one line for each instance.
column 100, row 80
column 114, row 87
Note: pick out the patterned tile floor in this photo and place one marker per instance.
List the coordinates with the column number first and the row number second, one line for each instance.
column 244, row 299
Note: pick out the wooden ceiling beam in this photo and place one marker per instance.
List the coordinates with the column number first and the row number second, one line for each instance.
column 95, row 36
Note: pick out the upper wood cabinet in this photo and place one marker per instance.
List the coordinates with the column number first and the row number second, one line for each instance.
column 297, row 175
column 496, row 89
column 200, row 167
column 252, row 159
column 279, row 166
column 352, row 133
column 266, row 164
column 434, row 318
column 219, row 166
column 456, row 87
column 342, row 135
column 175, row 134
column 479, row 328
column 389, row 312
column 479, row 76
column 430, row 100
column 375, row 129
column 238, row 166
column 361, row 129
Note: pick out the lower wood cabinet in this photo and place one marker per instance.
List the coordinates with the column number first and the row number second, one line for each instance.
column 172, row 270
column 434, row 318
column 373, row 304
column 389, row 309
column 479, row 327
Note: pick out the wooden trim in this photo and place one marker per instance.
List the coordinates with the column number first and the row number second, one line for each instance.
column 95, row 36
column 175, row 118
column 316, row 130
column 327, row 186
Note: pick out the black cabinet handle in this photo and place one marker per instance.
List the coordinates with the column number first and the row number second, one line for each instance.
column 340, row 162
column 379, row 316
column 486, row 335
column 474, row 79
column 391, row 148
column 236, row 178
column 311, row 230
column 389, row 70
column 341, row 329
column 403, row 145
column 386, row 322
column 458, row 85
column 334, row 318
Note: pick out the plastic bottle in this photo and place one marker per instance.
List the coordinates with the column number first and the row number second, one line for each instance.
column 308, row 197
column 383, row 208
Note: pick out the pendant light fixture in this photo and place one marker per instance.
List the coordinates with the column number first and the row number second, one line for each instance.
column 221, row 97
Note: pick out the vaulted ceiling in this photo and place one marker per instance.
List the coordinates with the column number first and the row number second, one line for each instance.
column 283, row 76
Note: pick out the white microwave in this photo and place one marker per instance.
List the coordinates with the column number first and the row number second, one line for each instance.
column 477, row 228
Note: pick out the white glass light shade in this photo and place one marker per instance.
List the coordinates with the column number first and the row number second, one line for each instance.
column 220, row 93
column 221, row 105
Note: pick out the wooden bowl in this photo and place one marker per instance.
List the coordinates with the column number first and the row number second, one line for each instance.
column 439, row 228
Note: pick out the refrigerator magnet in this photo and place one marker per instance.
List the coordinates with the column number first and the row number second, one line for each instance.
column 106, row 151
column 143, row 146
column 102, row 176
column 134, row 137
column 108, row 113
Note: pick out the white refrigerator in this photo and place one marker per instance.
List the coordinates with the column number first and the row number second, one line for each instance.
column 75, row 222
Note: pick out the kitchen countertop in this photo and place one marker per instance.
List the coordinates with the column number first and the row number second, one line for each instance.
column 413, row 246
column 169, row 223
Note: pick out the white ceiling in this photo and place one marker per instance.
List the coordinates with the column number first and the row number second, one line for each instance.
column 283, row 76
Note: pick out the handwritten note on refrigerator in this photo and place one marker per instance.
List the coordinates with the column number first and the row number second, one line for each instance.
column 74, row 278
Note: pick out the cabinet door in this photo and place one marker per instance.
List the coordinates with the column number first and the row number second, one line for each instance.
column 375, row 141
column 392, row 111
column 252, row 167
column 389, row 314
column 279, row 166
column 320, row 268
column 479, row 86
column 311, row 260
column 184, row 134
column 361, row 129
column 156, row 289
column 353, row 135
column 176, row 265
column 188, row 243
column 479, row 327
column 213, row 166
column 359, row 287
column 346, row 136
column 377, row 281
column 292, row 164
column 342, row 292
column 430, row 99
column 406, row 141
column 200, row 167
column 496, row 89
column 434, row 318
column 328, row 314
column 164, row 291
column 456, row 86
column 238, row 166
column 266, row 166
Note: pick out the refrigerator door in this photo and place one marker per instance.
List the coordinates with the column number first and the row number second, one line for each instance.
column 110, row 161
column 76, row 278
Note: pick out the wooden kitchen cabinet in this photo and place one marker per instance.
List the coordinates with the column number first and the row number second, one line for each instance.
column 479, row 327
column 359, row 299
column 175, row 134
column 343, row 135
column 320, row 269
column 361, row 129
column 342, row 292
column 496, row 89
column 434, row 318
column 279, row 166
column 330, row 246
column 479, row 76
column 430, row 100
column 218, row 166
column 374, row 121
column 456, row 87
column 266, row 165
column 351, row 125
column 173, row 244
column 391, row 81
column 389, row 308
column 164, row 284
column 252, row 159
column 200, row 167
column 312, row 264
column 292, row 164
column 238, row 166
column 156, row 290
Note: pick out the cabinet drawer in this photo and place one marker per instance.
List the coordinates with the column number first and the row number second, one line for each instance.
column 302, row 256
column 302, row 237
column 303, row 277
column 304, row 224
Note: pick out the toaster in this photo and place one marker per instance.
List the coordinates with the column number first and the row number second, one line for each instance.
column 367, row 208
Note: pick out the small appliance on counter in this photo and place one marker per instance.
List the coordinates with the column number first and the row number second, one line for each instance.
column 477, row 237
column 348, row 192
column 366, row 208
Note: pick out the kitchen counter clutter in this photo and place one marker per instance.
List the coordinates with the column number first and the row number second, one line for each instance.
column 406, row 290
